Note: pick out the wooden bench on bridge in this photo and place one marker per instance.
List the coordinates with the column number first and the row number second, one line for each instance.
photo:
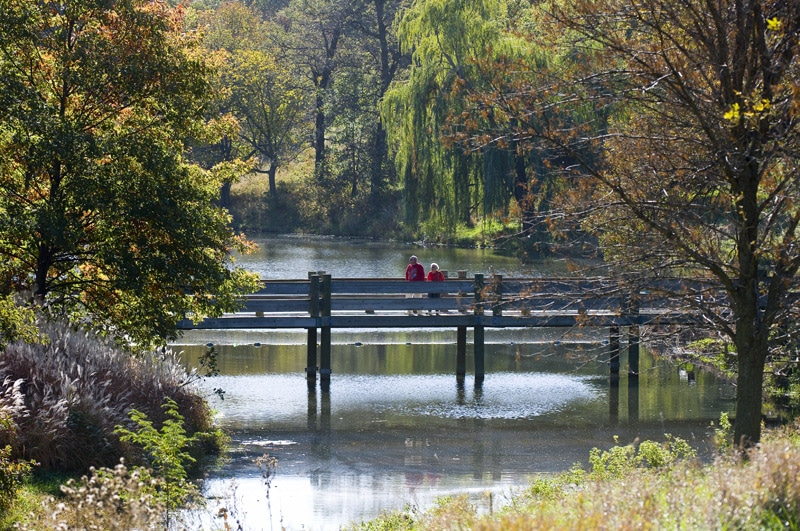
column 324, row 303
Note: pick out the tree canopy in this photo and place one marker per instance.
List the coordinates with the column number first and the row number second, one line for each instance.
column 259, row 88
column 103, row 217
column 699, row 169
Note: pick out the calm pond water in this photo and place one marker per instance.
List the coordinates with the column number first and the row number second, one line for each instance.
column 394, row 429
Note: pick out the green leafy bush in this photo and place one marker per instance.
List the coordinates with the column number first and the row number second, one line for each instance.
column 164, row 452
column 12, row 474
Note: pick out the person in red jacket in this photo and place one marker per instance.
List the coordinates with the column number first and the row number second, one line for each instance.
column 414, row 270
column 434, row 275
column 414, row 273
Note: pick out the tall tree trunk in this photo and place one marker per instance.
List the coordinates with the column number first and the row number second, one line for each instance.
column 749, row 392
column 380, row 152
column 273, row 187
column 319, row 135
column 43, row 263
column 379, row 158
column 225, row 194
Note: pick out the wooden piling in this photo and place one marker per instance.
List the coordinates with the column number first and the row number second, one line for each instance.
column 613, row 350
column 479, row 353
column 325, row 340
column 461, row 353
column 311, row 342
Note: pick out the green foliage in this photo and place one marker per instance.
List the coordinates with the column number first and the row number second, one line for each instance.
column 17, row 323
column 107, row 221
column 390, row 521
column 164, row 453
column 666, row 454
column 12, row 474
column 723, row 434
column 613, row 463
column 619, row 461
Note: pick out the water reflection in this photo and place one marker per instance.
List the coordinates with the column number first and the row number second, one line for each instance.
column 396, row 427
column 287, row 257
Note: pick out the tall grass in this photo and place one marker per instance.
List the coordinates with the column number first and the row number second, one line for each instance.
column 66, row 397
column 624, row 490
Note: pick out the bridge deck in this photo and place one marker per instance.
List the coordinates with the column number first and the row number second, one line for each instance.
column 321, row 302
column 496, row 303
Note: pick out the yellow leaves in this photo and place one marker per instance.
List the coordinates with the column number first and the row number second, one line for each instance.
column 774, row 24
column 733, row 114
column 762, row 105
column 750, row 111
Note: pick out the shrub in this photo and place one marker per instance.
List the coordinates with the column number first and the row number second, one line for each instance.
column 12, row 474
column 16, row 322
column 67, row 397
column 108, row 499
column 164, row 453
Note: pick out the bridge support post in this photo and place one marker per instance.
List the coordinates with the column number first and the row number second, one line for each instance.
column 633, row 350
column 311, row 341
column 477, row 336
column 461, row 354
column 479, row 351
column 613, row 350
column 325, row 340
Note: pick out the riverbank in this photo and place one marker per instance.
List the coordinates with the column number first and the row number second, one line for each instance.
column 781, row 400
column 641, row 487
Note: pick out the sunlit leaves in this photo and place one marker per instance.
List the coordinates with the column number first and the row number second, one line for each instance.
column 733, row 114
column 97, row 101
column 701, row 155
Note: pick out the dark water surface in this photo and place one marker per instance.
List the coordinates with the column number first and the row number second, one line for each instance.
column 394, row 429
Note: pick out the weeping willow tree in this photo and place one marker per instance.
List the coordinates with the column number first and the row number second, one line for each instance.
column 443, row 184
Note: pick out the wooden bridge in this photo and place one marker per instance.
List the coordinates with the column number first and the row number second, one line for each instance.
column 321, row 303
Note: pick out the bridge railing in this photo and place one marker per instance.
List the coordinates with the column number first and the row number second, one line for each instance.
column 321, row 302
column 493, row 295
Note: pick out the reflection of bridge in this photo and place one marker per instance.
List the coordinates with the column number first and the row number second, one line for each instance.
column 322, row 303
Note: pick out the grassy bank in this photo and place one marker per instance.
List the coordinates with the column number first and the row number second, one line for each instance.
column 645, row 487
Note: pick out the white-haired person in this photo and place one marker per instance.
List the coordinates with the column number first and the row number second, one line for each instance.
column 435, row 275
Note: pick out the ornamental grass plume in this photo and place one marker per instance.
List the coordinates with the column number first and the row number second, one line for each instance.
column 67, row 396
